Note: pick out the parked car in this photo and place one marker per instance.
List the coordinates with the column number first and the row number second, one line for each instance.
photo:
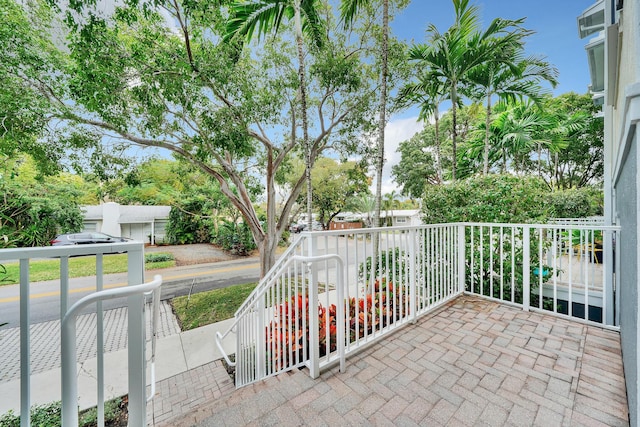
column 85, row 239
column 315, row 226
column 296, row 228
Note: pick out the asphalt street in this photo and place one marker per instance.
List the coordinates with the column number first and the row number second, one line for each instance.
column 177, row 281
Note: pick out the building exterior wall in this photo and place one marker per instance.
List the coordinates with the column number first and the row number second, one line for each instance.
column 622, row 115
column 627, row 209
column 142, row 223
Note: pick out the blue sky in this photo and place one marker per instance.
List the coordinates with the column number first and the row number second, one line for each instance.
column 554, row 23
column 556, row 37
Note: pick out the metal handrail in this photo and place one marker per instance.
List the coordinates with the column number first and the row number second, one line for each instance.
column 68, row 342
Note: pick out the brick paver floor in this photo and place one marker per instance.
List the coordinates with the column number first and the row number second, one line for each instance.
column 474, row 362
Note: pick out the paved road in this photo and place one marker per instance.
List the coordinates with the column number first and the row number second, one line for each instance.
column 45, row 296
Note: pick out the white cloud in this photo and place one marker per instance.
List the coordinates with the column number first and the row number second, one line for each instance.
column 397, row 130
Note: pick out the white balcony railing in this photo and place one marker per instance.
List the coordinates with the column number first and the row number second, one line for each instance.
column 390, row 276
column 136, row 323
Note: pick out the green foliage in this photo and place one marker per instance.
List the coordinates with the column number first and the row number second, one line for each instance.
column 188, row 222
column 235, row 238
column 334, row 183
column 575, row 203
column 51, row 415
column 41, row 416
column 112, row 411
column 158, row 257
column 491, row 198
column 34, row 215
column 390, row 264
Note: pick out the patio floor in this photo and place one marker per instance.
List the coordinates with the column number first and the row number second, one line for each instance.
column 473, row 362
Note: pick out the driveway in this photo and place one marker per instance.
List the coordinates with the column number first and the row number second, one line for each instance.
column 200, row 253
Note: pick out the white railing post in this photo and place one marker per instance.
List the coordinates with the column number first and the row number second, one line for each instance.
column 261, row 356
column 607, row 288
column 461, row 258
column 68, row 350
column 314, row 339
column 341, row 330
column 526, row 268
column 136, row 342
column 25, row 346
column 413, row 295
column 69, row 381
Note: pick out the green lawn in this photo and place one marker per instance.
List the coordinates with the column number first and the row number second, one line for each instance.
column 78, row 267
column 208, row 307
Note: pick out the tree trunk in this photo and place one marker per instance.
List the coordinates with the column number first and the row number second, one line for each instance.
column 303, row 106
column 454, row 133
column 383, row 109
column 438, row 160
column 485, row 167
column 267, row 249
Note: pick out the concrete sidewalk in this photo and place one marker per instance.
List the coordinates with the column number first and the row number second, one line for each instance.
column 176, row 354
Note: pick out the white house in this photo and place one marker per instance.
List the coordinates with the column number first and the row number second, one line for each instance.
column 143, row 223
column 399, row 218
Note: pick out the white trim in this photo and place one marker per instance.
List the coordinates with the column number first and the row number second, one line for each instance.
column 631, row 118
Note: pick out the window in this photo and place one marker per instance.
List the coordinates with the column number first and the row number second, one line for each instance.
column 592, row 20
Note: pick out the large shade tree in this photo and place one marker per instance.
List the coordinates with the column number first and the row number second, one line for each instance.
column 135, row 79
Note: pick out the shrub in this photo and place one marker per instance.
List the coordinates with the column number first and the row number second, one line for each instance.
column 158, row 257
column 575, row 203
column 235, row 238
column 41, row 415
column 491, row 198
column 288, row 335
column 188, row 222
column 394, row 259
column 50, row 415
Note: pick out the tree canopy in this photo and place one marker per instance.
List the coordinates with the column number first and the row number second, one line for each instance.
column 138, row 77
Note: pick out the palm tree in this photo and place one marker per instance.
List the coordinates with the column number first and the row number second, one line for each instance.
column 348, row 11
column 390, row 202
column 429, row 92
column 363, row 203
column 266, row 16
column 452, row 55
column 517, row 79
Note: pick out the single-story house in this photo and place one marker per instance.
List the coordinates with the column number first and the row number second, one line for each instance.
column 398, row 217
column 143, row 223
column 401, row 217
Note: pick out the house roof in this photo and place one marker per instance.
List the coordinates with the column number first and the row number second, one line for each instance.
column 129, row 214
column 92, row 212
column 140, row 214
column 399, row 213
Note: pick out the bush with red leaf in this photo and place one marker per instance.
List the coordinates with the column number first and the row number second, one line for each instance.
column 288, row 334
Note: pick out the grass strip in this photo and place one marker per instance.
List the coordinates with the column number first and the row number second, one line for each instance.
column 42, row 270
column 209, row 307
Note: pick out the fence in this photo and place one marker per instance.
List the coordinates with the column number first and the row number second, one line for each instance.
column 390, row 276
column 379, row 278
column 136, row 324
column 564, row 269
